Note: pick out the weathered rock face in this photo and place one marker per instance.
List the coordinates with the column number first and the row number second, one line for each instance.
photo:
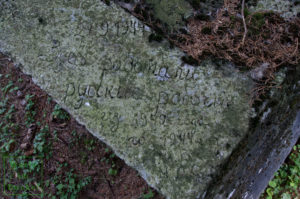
column 171, row 12
column 173, row 122
column 287, row 8
column 171, row 15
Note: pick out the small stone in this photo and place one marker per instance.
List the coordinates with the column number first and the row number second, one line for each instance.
column 19, row 93
column 24, row 146
column 29, row 153
column 23, row 102
column 259, row 72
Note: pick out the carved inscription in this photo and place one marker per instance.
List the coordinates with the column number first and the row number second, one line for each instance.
column 118, row 28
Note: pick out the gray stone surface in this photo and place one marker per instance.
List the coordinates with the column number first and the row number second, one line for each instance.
column 286, row 8
column 171, row 12
column 173, row 122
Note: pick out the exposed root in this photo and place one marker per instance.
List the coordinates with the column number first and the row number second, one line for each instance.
column 244, row 22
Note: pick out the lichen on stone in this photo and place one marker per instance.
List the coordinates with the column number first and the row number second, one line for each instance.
column 286, row 8
column 175, row 123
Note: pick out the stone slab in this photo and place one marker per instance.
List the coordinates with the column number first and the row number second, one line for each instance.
column 175, row 123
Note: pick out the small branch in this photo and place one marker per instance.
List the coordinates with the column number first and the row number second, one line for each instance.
column 244, row 22
column 295, row 48
column 38, row 187
column 109, row 185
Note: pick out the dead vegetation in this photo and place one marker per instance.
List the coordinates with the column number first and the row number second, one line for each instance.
column 252, row 40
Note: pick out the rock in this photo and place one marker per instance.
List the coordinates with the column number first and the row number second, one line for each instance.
column 23, row 102
column 24, row 146
column 171, row 12
column 287, row 8
column 29, row 153
column 260, row 72
column 175, row 123
column 19, row 94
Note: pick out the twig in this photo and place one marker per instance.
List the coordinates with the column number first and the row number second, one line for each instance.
column 109, row 185
column 244, row 22
column 38, row 187
column 295, row 48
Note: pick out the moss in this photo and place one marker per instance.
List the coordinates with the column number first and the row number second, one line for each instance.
column 269, row 14
column 155, row 37
column 206, row 30
column 232, row 18
column 258, row 16
column 257, row 22
column 107, row 2
column 251, row 3
column 246, row 12
column 172, row 13
column 202, row 17
column 195, row 3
